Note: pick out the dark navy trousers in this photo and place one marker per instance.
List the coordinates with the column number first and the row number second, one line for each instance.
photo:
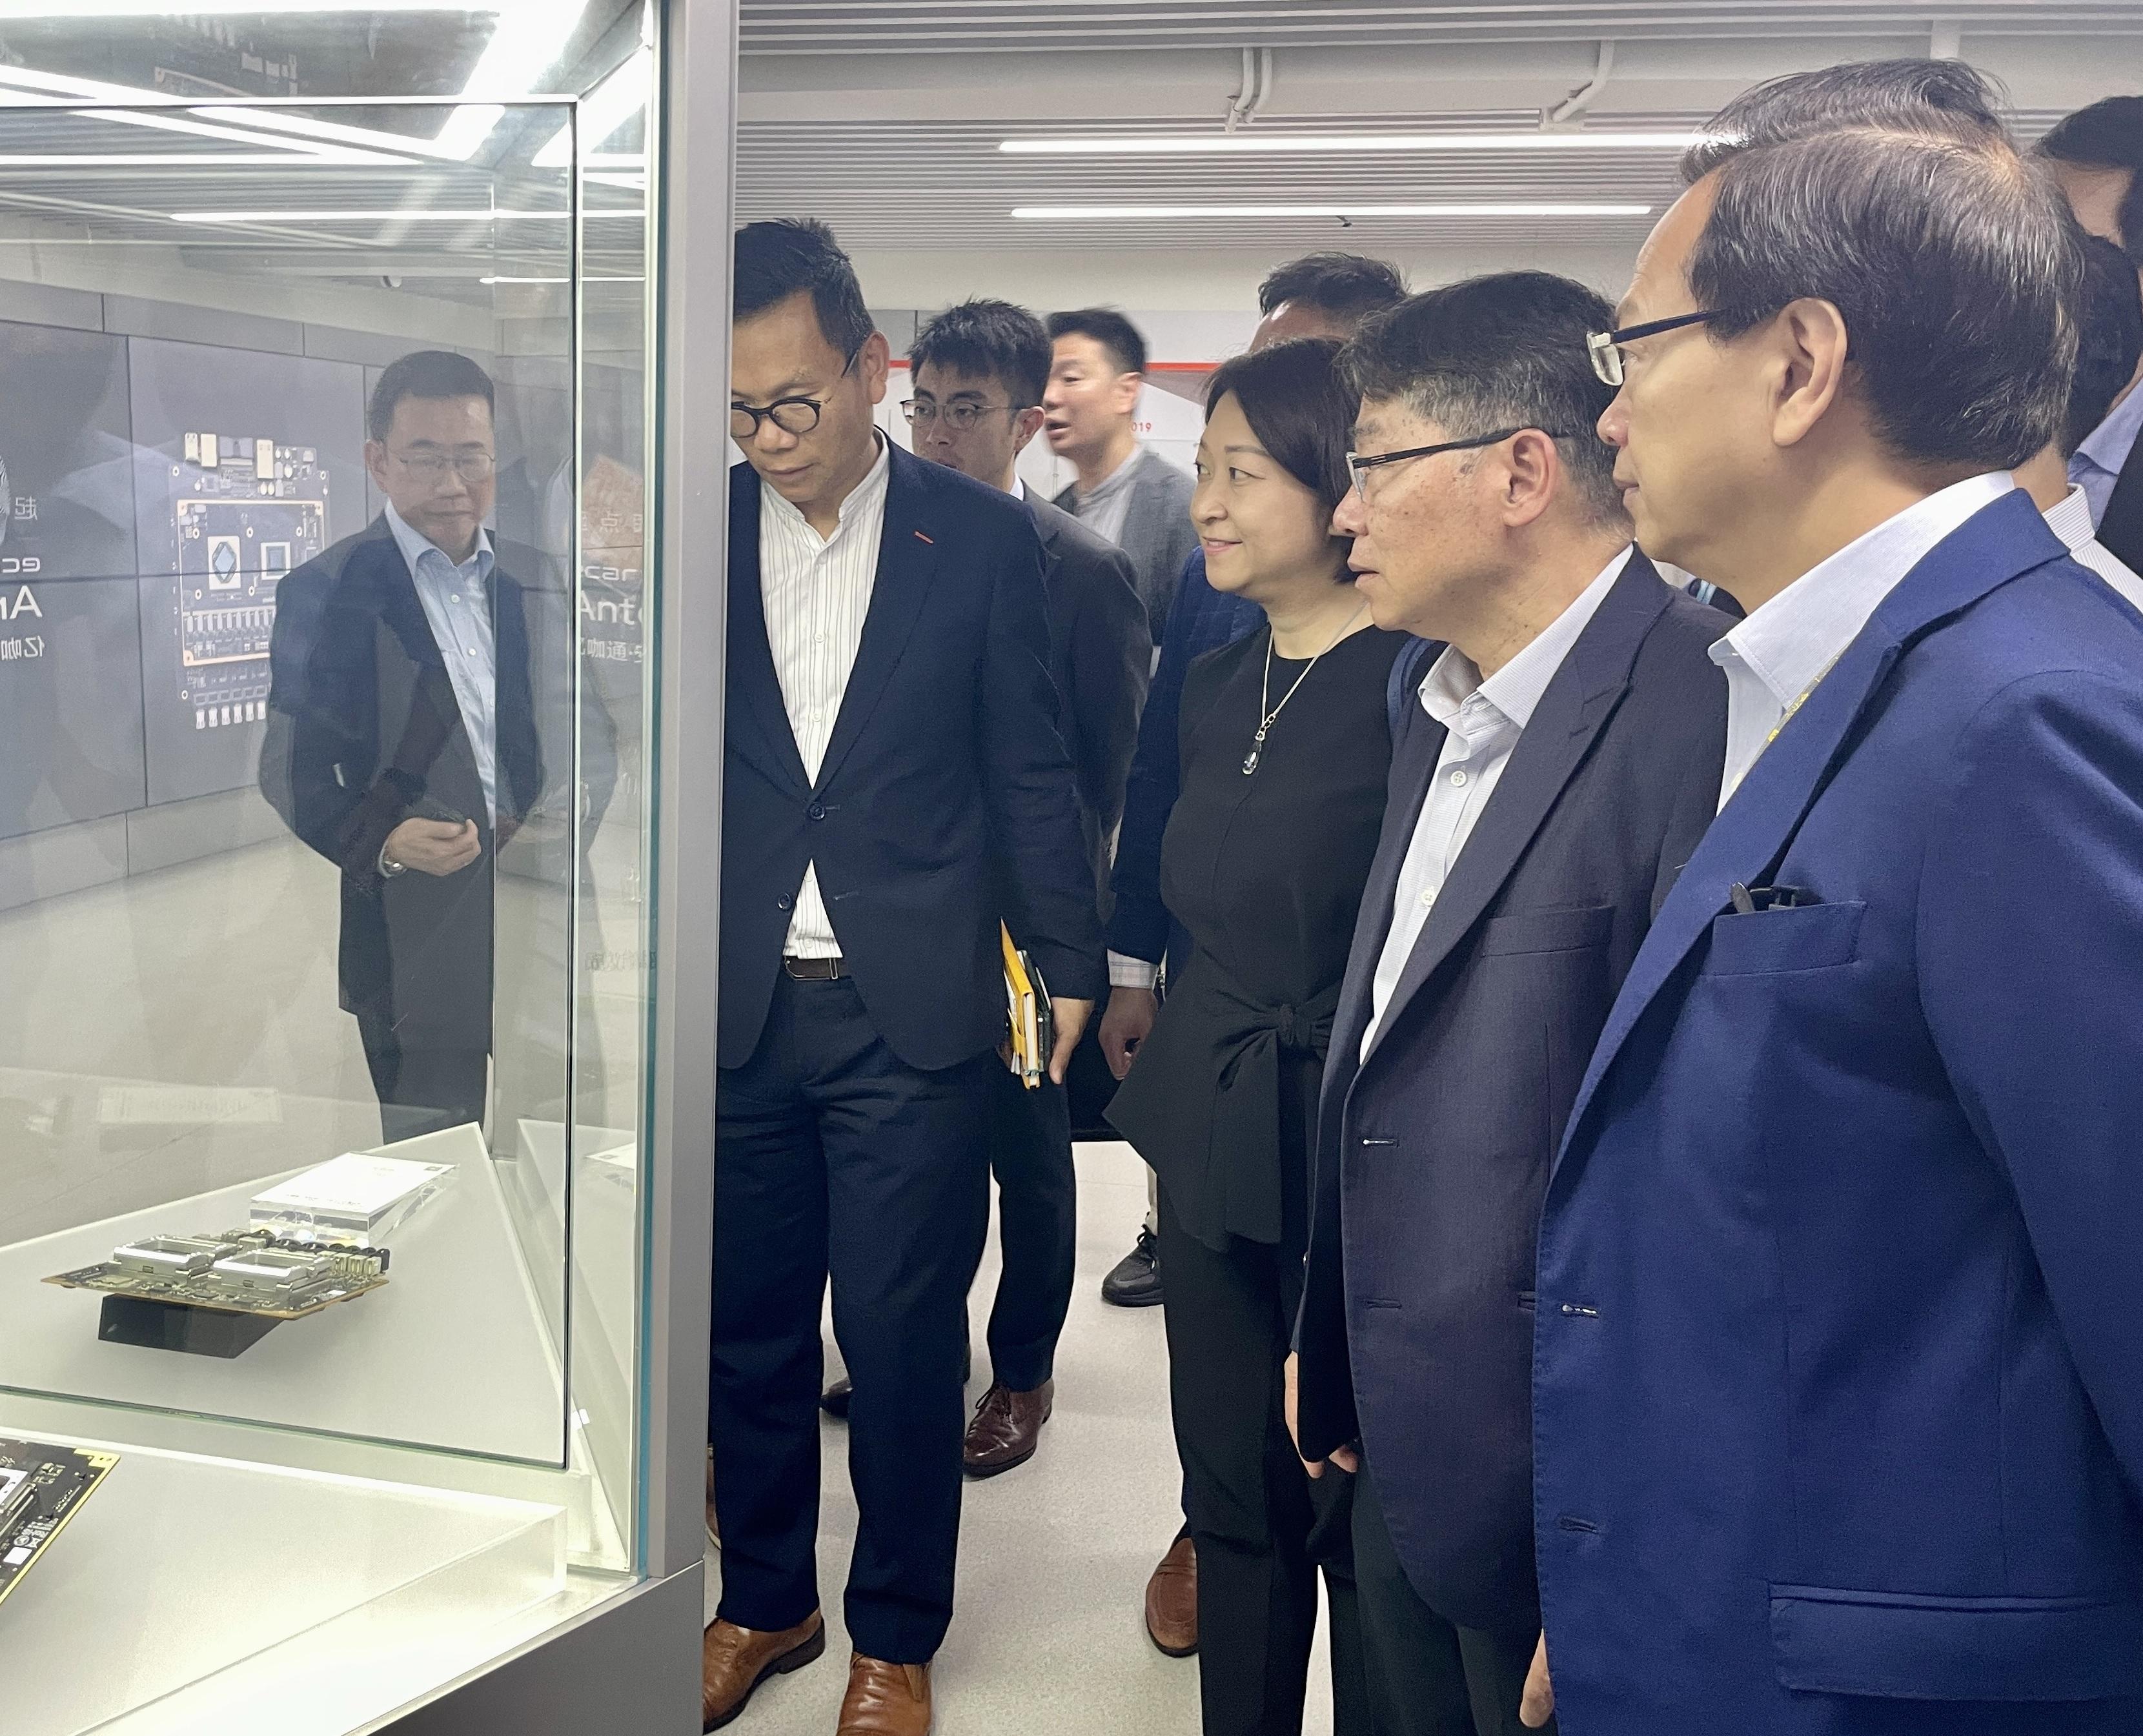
column 1038, row 1229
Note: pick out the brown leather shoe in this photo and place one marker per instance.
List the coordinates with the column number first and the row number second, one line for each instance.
column 885, row 1699
column 734, row 1660
column 1171, row 1600
column 1007, row 1428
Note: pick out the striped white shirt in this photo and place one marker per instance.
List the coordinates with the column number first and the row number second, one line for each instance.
column 816, row 592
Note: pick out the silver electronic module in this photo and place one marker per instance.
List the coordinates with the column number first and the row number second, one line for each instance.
column 277, row 1277
column 41, row 1487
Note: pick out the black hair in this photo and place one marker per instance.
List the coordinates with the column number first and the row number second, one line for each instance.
column 431, row 373
column 2108, row 135
column 1904, row 96
column 1504, row 351
column 791, row 256
column 988, row 340
column 2110, row 339
column 1349, row 286
column 1108, row 328
column 1956, row 265
column 1300, row 406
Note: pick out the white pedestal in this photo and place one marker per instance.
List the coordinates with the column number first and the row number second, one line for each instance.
column 193, row 1595
column 451, row 1353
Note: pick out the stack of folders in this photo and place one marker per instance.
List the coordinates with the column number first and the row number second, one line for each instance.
column 1033, row 1026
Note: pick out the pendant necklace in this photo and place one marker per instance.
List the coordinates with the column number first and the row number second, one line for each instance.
column 1270, row 711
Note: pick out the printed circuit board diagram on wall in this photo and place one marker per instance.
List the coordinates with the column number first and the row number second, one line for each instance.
column 245, row 511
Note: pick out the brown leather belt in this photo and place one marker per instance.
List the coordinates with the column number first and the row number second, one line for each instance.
column 815, row 970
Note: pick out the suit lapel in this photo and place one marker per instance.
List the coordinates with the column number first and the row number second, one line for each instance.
column 907, row 566
column 1995, row 545
column 1578, row 701
column 755, row 686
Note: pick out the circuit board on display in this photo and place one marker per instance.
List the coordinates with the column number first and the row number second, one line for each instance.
column 256, row 1272
column 41, row 1487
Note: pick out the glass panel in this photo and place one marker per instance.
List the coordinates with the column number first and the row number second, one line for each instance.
column 321, row 826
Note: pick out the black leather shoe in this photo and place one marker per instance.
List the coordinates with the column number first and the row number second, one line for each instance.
column 1135, row 1282
column 834, row 1400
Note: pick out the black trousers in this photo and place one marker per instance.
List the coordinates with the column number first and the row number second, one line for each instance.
column 834, row 1159
column 1038, row 1229
column 423, row 1087
column 1262, row 1527
column 1427, row 1676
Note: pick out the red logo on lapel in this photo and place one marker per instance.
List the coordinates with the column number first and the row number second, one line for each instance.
column 920, row 538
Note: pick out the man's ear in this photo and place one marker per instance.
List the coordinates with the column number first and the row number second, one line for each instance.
column 1024, row 425
column 1131, row 385
column 1806, row 367
column 872, row 362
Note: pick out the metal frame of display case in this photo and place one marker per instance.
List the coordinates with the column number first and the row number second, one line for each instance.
column 632, row 1663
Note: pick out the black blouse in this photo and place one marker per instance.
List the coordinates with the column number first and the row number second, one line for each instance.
column 1265, row 871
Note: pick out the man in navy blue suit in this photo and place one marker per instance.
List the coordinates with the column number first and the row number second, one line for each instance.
column 1838, row 1418
column 894, row 788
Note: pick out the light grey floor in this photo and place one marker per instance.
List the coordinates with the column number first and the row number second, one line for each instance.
column 1047, row 1638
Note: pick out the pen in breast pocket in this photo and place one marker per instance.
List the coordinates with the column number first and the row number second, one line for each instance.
column 1751, row 901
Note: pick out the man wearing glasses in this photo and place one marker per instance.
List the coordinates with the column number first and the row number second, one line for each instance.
column 980, row 370
column 1555, row 765
column 402, row 739
column 894, row 788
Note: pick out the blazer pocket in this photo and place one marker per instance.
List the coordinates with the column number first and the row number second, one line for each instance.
column 1574, row 930
column 1901, row 1646
column 1807, row 937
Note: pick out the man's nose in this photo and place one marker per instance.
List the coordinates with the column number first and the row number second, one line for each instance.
column 769, row 435
column 1350, row 518
column 1614, row 423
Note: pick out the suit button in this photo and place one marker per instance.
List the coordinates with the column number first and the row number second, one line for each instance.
column 816, row 811
column 784, row 902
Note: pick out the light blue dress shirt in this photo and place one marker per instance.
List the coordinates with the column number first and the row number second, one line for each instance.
column 2098, row 462
column 456, row 601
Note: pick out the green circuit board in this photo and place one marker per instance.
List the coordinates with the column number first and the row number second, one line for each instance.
column 41, row 1487
column 253, row 1271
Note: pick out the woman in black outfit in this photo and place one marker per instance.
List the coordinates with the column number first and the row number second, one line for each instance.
column 1285, row 745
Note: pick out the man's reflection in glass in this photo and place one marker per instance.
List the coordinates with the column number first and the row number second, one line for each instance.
column 402, row 742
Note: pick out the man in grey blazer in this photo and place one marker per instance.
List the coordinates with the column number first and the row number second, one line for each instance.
column 1126, row 492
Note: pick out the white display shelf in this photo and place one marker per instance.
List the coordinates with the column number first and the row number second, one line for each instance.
column 192, row 1596
column 451, row 1353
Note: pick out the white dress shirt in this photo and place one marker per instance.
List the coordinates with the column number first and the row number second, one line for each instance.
column 816, row 592
column 457, row 601
column 1774, row 659
column 2070, row 521
column 1482, row 721
column 2098, row 462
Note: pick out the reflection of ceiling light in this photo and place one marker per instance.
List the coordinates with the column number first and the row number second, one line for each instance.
column 520, row 51
column 1100, row 213
column 1173, row 144
column 13, row 10
column 559, row 279
column 605, row 109
column 269, row 120
column 152, row 159
column 24, row 87
column 415, row 216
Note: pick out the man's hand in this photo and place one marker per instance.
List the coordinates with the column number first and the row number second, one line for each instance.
column 1126, row 1022
column 1538, row 1703
column 433, row 846
column 1345, row 1458
column 1072, row 1017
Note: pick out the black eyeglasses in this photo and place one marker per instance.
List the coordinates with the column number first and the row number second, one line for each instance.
column 1606, row 347
column 1359, row 464
column 958, row 416
column 791, row 415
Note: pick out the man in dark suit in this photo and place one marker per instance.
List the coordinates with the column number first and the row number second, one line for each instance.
column 2097, row 156
column 1836, row 1417
column 980, row 370
column 401, row 741
column 1558, row 764
column 895, row 787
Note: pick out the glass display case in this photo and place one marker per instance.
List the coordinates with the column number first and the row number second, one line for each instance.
column 353, row 1213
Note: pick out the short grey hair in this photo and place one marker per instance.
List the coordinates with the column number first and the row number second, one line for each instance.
column 1900, row 96
column 1955, row 265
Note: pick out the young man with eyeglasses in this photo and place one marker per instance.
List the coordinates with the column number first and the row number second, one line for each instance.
column 1551, row 771
column 895, row 787
column 402, row 740
column 980, row 370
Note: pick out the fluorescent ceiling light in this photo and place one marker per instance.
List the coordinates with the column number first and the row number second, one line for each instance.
column 12, row 11
column 24, row 87
column 151, row 160
column 522, row 48
column 1245, row 143
column 1109, row 213
column 559, row 279
column 479, row 215
column 304, row 126
column 606, row 108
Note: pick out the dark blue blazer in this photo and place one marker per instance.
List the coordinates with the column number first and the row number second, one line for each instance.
column 946, row 801
column 1416, row 1326
column 1838, row 1384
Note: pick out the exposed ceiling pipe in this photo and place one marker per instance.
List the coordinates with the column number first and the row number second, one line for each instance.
column 1256, row 87
column 1573, row 106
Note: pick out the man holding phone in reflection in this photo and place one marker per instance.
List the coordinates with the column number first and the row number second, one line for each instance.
column 401, row 741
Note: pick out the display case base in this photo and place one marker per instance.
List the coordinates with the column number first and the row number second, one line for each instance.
column 176, row 1326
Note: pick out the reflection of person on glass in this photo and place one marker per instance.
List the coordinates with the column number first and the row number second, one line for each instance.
column 401, row 741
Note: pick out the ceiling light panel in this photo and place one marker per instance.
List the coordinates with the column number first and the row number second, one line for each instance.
column 1250, row 144
column 1137, row 213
